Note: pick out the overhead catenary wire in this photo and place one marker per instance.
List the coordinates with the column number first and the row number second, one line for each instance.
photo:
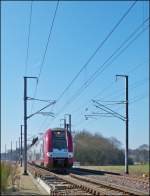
column 104, row 65
column 45, row 50
column 105, row 89
column 82, row 89
column 44, row 120
column 28, row 45
column 132, row 101
column 28, row 39
column 131, row 71
column 48, row 40
column 95, row 52
column 139, row 99
column 97, row 49
column 132, row 87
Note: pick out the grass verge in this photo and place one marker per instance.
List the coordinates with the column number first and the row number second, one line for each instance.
column 133, row 169
column 9, row 176
column 5, row 170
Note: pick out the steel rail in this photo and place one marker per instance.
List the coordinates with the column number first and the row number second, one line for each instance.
column 80, row 183
column 123, row 189
column 102, row 172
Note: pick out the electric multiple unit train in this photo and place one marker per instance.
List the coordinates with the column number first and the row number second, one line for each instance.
column 52, row 150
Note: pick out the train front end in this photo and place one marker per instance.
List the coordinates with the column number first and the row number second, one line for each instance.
column 60, row 153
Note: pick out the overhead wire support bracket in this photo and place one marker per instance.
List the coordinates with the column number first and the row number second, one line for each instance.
column 31, row 98
column 100, row 113
column 115, row 102
column 113, row 115
column 108, row 110
column 47, row 114
column 90, row 116
column 38, row 112
column 96, row 115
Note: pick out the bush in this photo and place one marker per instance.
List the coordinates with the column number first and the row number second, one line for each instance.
column 5, row 173
column 9, row 175
column 92, row 149
column 14, row 175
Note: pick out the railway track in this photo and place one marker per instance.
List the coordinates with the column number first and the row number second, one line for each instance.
column 122, row 179
column 73, row 184
column 104, row 175
column 119, row 175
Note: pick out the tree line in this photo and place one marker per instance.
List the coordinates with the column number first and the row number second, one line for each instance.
column 140, row 154
column 94, row 149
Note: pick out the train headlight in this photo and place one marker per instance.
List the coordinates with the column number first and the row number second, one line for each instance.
column 49, row 154
column 70, row 154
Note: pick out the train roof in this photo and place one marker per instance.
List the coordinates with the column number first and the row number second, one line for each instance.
column 57, row 129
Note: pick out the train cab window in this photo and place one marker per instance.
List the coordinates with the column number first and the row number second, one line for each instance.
column 59, row 140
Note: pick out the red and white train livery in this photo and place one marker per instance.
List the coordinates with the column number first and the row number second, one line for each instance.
column 53, row 150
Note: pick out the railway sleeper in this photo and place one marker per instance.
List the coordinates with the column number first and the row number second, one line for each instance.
column 101, row 189
column 110, row 187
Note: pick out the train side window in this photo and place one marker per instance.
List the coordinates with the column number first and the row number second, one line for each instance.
column 43, row 146
column 41, row 149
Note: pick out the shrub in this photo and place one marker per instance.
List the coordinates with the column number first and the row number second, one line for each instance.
column 5, row 173
column 9, row 175
column 14, row 174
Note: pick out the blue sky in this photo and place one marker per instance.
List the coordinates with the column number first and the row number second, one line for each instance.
column 78, row 30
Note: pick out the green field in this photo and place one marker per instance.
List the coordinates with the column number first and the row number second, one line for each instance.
column 133, row 169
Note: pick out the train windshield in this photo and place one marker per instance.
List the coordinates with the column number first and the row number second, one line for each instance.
column 59, row 140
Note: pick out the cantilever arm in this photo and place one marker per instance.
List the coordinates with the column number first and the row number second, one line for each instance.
column 41, row 109
column 109, row 111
